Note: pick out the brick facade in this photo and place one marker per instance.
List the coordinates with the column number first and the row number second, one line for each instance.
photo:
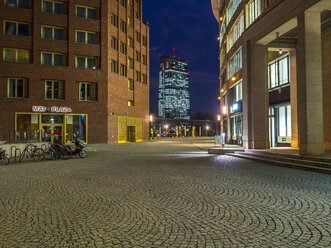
column 112, row 88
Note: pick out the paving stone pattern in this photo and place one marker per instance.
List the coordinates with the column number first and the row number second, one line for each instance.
column 162, row 195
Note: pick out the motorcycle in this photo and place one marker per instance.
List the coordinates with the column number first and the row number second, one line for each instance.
column 77, row 149
column 4, row 159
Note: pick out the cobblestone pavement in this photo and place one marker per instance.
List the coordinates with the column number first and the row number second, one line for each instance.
column 162, row 195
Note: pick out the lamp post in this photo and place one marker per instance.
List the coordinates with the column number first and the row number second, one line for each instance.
column 151, row 129
column 218, row 123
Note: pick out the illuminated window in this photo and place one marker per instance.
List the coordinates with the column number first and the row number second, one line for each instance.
column 87, row 91
column 17, row 88
column 24, row 4
column 16, row 28
column 86, row 12
column 130, row 103
column 86, row 37
column 16, row 55
column 123, row 48
column 238, row 92
column 253, row 11
column 279, row 72
column 130, row 22
column 235, row 64
column 130, row 62
column 236, row 31
column 130, row 42
column 53, row 7
column 52, row 59
column 232, row 7
column 130, row 84
column 54, row 90
column 114, row 20
column 86, row 62
column 52, row 33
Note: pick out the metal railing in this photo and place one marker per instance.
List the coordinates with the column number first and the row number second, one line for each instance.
column 24, row 136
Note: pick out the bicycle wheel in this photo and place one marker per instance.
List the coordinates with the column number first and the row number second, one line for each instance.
column 4, row 160
column 37, row 155
column 49, row 154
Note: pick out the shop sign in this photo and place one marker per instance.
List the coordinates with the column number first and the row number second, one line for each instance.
column 53, row 109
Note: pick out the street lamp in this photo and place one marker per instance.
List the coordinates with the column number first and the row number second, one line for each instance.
column 218, row 123
column 151, row 126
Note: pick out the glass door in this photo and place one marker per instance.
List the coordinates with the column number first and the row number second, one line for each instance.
column 46, row 133
column 52, row 133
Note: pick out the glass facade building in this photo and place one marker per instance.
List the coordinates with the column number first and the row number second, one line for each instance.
column 174, row 90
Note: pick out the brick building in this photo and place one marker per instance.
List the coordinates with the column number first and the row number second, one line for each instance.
column 275, row 73
column 74, row 66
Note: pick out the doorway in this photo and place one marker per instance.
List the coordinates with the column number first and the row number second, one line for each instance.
column 131, row 134
column 52, row 133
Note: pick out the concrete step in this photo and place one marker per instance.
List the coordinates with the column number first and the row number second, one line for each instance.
column 291, row 159
column 281, row 163
column 288, row 155
column 222, row 151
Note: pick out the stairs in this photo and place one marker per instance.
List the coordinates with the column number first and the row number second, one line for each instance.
column 317, row 164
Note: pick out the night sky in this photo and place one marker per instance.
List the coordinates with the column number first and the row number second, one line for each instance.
column 190, row 26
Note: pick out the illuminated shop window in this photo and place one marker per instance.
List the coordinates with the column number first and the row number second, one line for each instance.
column 76, row 125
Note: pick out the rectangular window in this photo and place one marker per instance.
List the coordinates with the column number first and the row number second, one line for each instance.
column 86, row 12
column 114, row 43
column 86, row 37
column 87, row 91
column 52, row 59
column 123, row 26
column 114, row 66
column 138, row 76
column 123, row 3
column 238, row 92
column 24, row 4
column 86, row 62
column 236, row 31
column 16, row 28
column 138, row 56
column 130, row 42
column 130, row 84
column 54, row 90
column 123, row 70
column 138, row 36
column 52, row 33
column 130, row 103
column 144, row 59
column 279, row 72
column 130, row 22
column 123, row 47
column 114, row 20
column 130, row 63
column 17, row 88
column 144, row 41
column 16, row 55
column 144, row 78
column 54, row 7
column 235, row 64
column 232, row 7
column 253, row 11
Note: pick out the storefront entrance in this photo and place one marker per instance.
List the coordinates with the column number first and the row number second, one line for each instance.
column 52, row 133
column 131, row 134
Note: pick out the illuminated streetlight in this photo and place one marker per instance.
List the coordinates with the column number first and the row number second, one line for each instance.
column 218, row 117
column 224, row 110
column 233, row 79
column 151, row 118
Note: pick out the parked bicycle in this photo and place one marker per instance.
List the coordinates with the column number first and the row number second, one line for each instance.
column 33, row 152
column 4, row 159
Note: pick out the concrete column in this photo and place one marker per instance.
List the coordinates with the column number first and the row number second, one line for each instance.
column 294, row 100
column 326, row 65
column 255, row 97
column 310, row 92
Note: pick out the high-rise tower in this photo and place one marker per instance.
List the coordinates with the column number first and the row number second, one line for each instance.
column 174, row 93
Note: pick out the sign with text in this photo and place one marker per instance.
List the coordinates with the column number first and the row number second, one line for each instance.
column 53, row 109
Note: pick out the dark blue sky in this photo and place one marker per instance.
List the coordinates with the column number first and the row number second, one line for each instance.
column 190, row 26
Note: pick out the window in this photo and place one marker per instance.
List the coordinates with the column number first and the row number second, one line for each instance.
column 87, row 91
column 52, row 33
column 130, row 103
column 86, row 62
column 17, row 88
column 123, row 48
column 138, row 56
column 238, row 92
column 144, row 78
column 16, row 55
column 123, row 26
column 114, row 43
column 53, row 7
column 114, row 20
column 114, row 66
column 253, row 11
column 144, row 41
column 236, row 31
column 279, row 72
column 123, row 3
column 138, row 76
column 86, row 37
column 123, row 70
column 86, row 12
column 53, row 90
column 52, row 59
column 130, row 22
column 130, row 3
column 283, row 117
column 130, row 42
column 138, row 36
column 130, row 62
column 232, row 7
column 130, row 84
column 144, row 60
column 235, row 64
column 24, row 4
column 16, row 28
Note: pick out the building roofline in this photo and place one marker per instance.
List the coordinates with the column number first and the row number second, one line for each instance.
column 216, row 5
